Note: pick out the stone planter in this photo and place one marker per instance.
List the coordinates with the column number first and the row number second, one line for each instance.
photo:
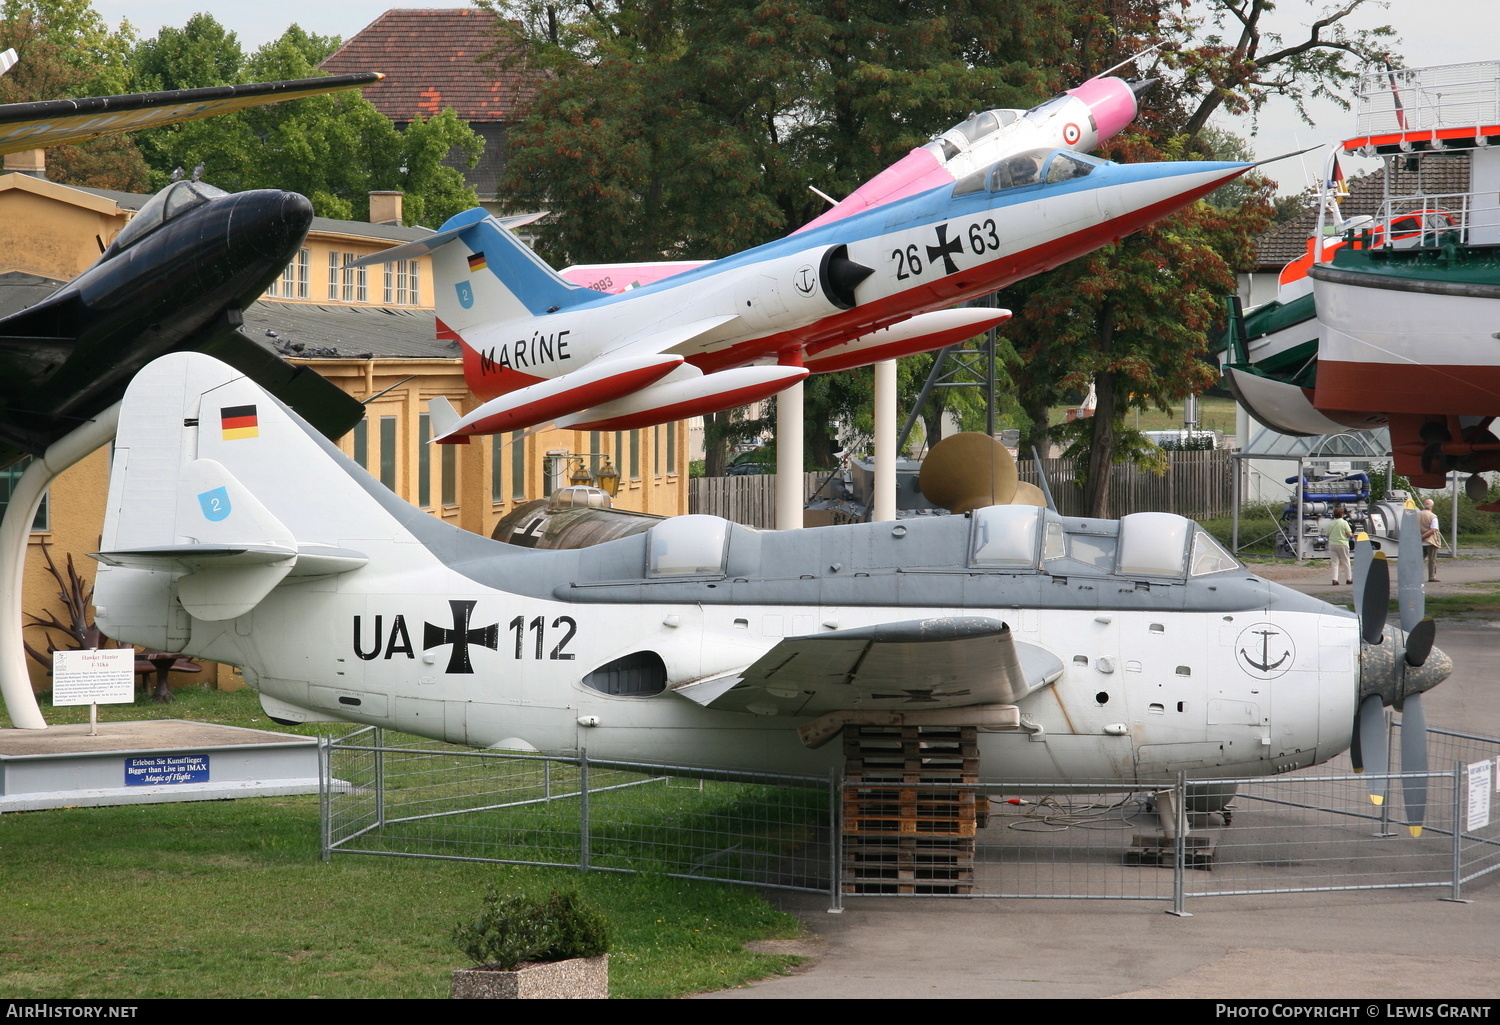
column 582, row 978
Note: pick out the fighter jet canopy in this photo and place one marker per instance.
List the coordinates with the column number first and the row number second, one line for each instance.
column 173, row 201
column 1029, row 168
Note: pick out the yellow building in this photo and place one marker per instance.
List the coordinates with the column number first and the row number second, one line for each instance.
column 370, row 331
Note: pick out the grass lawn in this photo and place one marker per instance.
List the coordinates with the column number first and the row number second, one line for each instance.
column 231, row 899
column 1214, row 414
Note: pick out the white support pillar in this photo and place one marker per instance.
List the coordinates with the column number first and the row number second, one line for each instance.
column 884, row 507
column 789, row 474
column 15, row 532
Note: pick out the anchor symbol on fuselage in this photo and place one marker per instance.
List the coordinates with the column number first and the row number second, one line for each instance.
column 1265, row 664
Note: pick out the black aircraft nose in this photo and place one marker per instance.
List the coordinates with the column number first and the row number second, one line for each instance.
column 269, row 222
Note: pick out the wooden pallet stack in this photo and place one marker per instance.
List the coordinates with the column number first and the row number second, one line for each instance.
column 910, row 809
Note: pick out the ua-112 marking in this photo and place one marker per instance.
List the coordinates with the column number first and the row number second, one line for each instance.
column 461, row 635
column 744, row 327
column 1080, row 649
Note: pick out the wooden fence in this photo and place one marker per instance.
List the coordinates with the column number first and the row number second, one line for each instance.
column 1197, row 485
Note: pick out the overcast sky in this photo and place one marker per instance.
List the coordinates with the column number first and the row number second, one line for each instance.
column 1432, row 32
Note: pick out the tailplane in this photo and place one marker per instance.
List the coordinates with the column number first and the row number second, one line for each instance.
column 483, row 274
column 219, row 494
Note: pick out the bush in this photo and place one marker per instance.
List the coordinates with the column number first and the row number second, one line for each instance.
column 515, row 929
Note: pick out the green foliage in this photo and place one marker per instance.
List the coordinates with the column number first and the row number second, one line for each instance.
column 516, row 929
column 1470, row 520
column 1237, row 63
column 67, row 50
column 685, row 129
column 1260, row 527
column 333, row 149
column 1378, row 474
column 201, row 53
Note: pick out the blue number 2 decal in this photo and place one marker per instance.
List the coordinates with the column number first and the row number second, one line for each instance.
column 215, row 504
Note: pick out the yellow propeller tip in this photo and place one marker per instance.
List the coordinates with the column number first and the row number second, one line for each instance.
column 1376, row 800
column 1415, row 831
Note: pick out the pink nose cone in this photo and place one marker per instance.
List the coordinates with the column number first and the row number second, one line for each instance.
column 1110, row 100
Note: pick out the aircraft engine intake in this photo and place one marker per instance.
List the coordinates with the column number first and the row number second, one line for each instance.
column 815, row 282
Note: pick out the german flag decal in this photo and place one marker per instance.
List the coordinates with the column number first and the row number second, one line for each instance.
column 477, row 262
column 238, row 422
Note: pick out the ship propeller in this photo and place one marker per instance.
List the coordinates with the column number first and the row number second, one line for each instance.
column 1434, row 436
column 1397, row 664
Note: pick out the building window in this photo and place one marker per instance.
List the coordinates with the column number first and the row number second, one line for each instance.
column 517, row 466
column 400, row 287
column 450, row 474
column 362, row 443
column 388, row 451
column 424, row 461
column 9, row 477
column 293, row 282
column 333, row 277
column 497, row 484
column 635, row 454
column 355, row 280
column 671, row 448
column 656, row 450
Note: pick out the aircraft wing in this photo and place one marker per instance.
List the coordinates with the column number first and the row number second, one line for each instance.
column 59, row 122
column 942, row 662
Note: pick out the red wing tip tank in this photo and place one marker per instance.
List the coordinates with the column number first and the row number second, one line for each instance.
column 1080, row 649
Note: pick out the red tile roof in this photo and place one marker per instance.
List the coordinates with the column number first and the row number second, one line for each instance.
column 428, row 58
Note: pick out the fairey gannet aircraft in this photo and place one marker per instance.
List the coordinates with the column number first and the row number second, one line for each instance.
column 1082, row 649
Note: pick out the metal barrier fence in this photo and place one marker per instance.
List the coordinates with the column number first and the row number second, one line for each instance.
column 401, row 796
column 1316, row 830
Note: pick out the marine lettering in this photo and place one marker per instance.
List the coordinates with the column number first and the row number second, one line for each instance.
column 528, row 352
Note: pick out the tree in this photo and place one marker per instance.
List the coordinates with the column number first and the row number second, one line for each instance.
column 1133, row 319
column 681, row 128
column 67, row 50
column 1239, row 71
column 334, row 149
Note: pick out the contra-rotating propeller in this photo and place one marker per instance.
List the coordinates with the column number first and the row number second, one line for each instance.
column 1396, row 666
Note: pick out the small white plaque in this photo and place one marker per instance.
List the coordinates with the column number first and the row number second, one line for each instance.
column 104, row 676
column 1479, row 794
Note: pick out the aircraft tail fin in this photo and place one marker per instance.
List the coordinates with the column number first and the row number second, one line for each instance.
column 219, row 494
column 482, row 273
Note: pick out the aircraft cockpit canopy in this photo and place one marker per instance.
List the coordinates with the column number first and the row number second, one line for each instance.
column 1032, row 167
column 690, row 545
column 173, row 201
column 1021, row 538
column 971, row 130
